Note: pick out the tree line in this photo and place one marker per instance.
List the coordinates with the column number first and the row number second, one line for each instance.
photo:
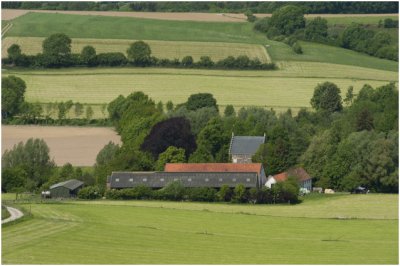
column 343, row 143
column 283, row 192
column 288, row 25
column 57, row 53
column 213, row 7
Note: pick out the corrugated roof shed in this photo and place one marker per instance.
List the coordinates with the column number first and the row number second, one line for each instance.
column 71, row 184
column 245, row 144
column 213, row 167
column 188, row 179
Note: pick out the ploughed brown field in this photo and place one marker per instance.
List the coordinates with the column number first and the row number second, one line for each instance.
column 8, row 14
column 76, row 145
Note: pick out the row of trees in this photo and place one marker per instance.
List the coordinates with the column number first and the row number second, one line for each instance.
column 284, row 192
column 288, row 24
column 218, row 7
column 57, row 53
column 343, row 143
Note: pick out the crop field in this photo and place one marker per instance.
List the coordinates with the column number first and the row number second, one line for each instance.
column 160, row 49
column 345, row 229
column 290, row 87
column 76, row 145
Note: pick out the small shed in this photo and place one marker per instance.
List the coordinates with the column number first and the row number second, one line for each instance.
column 66, row 189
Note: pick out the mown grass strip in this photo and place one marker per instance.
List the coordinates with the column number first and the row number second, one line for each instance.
column 160, row 49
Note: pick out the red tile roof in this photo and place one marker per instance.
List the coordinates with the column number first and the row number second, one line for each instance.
column 298, row 172
column 213, row 167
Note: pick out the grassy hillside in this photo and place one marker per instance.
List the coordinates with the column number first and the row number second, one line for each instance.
column 100, row 27
column 316, row 52
column 160, row 49
column 291, row 87
column 115, row 232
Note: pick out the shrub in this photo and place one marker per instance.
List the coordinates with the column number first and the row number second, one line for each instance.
column 139, row 52
column 225, row 193
column 90, row 192
column 205, row 61
column 240, row 194
column 262, row 25
column 111, row 59
column 187, row 61
column 205, row 194
column 390, row 23
column 113, row 194
column 297, row 48
column 173, row 191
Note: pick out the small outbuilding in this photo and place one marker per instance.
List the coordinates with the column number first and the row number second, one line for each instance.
column 66, row 189
column 305, row 180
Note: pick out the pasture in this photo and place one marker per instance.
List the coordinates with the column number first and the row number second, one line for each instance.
column 76, row 145
column 292, row 86
column 348, row 229
column 159, row 49
column 102, row 27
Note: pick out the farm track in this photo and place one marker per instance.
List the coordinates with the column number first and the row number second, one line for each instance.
column 14, row 215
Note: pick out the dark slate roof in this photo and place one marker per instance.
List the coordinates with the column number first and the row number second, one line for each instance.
column 245, row 144
column 71, row 184
column 161, row 179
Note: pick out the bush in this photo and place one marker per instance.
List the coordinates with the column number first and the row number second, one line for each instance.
column 225, row 193
column 113, row 194
column 205, row 61
column 205, row 194
column 90, row 192
column 262, row 25
column 390, row 23
column 240, row 194
column 297, row 48
column 173, row 191
column 187, row 61
column 111, row 59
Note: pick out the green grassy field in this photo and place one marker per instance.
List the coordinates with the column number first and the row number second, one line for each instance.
column 368, row 20
column 140, row 232
column 159, row 49
column 292, row 86
column 315, row 52
column 101, row 27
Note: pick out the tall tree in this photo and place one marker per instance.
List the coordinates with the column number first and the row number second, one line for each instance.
column 12, row 95
column 139, row 52
column 327, row 98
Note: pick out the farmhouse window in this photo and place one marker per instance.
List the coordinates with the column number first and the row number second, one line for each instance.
column 175, row 179
column 248, row 179
column 234, row 180
column 144, row 179
column 130, row 179
column 162, row 179
column 207, row 179
column 220, row 180
column 116, row 179
column 189, row 179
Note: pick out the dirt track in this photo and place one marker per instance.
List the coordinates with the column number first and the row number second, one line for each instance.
column 8, row 14
column 76, row 145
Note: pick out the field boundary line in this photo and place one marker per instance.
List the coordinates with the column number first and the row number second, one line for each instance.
column 6, row 29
